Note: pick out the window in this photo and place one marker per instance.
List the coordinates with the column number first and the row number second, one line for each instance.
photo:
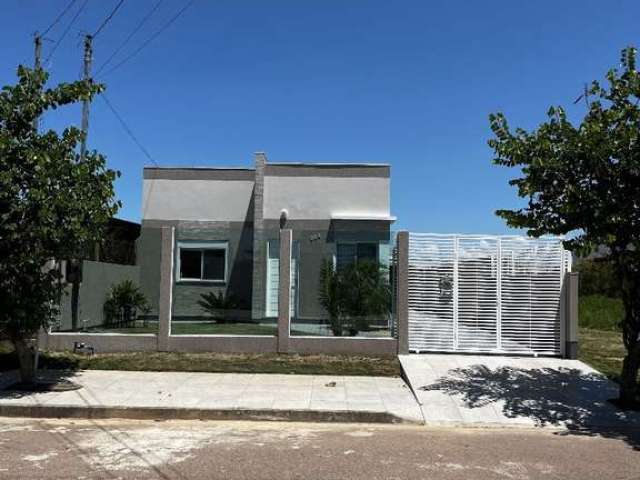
column 202, row 262
column 350, row 253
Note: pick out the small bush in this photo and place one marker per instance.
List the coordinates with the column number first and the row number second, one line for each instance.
column 219, row 306
column 123, row 303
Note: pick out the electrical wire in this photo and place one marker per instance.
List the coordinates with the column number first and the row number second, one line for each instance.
column 64, row 34
column 62, row 14
column 145, row 201
column 128, row 130
column 130, row 36
column 106, row 20
column 151, row 38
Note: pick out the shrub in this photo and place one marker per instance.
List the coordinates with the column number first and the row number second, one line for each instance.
column 218, row 305
column 123, row 303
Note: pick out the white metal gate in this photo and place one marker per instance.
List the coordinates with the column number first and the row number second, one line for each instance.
column 472, row 293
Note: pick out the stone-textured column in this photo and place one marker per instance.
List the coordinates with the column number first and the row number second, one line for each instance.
column 402, row 291
column 571, row 315
column 167, row 244
column 284, row 291
column 258, row 287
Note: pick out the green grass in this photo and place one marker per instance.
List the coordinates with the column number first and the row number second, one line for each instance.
column 603, row 350
column 213, row 362
column 198, row 328
column 598, row 312
column 228, row 363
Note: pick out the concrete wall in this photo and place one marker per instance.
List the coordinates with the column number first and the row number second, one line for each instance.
column 311, row 194
column 102, row 342
column 97, row 279
column 205, row 195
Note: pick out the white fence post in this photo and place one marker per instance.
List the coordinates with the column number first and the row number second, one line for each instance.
column 456, row 245
column 499, row 294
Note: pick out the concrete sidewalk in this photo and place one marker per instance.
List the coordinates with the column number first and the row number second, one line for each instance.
column 474, row 390
column 187, row 395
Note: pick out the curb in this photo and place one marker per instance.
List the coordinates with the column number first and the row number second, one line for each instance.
column 162, row 413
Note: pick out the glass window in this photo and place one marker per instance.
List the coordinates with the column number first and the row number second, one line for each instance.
column 213, row 264
column 203, row 261
column 367, row 251
column 350, row 253
column 190, row 263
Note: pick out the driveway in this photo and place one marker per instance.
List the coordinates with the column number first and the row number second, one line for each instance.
column 470, row 390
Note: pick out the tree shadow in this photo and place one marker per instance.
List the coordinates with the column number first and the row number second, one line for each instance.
column 561, row 397
column 51, row 382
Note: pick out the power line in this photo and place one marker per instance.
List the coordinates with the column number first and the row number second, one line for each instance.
column 145, row 201
column 59, row 17
column 64, row 34
column 106, row 20
column 130, row 36
column 128, row 130
column 151, row 38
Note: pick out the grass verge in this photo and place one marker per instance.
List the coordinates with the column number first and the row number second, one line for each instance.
column 221, row 362
column 603, row 350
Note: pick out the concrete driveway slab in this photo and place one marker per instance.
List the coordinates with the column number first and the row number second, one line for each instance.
column 474, row 390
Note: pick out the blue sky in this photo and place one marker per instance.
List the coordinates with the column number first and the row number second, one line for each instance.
column 410, row 83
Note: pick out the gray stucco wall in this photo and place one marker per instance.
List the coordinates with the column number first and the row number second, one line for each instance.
column 148, row 257
column 97, row 279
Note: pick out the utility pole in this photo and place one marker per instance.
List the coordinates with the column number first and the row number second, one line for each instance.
column 88, row 51
column 75, row 270
column 37, row 43
column 37, row 40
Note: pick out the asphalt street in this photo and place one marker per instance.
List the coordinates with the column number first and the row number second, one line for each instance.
column 85, row 449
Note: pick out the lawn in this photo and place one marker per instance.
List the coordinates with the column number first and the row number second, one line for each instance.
column 600, row 342
column 225, row 362
column 213, row 362
column 197, row 328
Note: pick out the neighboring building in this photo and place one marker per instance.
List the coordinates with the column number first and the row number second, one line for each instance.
column 227, row 223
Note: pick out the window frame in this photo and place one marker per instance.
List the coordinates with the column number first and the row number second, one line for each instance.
column 202, row 246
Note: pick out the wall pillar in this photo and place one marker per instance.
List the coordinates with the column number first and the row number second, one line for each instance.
column 284, row 291
column 167, row 244
column 258, row 289
column 402, row 291
column 571, row 315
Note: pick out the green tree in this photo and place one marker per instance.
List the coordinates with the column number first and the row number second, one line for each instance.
column 583, row 181
column 52, row 203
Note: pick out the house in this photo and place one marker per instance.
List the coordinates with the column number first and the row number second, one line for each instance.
column 227, row 223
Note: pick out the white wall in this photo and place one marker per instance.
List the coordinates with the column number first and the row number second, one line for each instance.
column 312, row 198
column 212, row 200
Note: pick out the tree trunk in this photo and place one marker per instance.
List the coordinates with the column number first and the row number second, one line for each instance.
column 75, row 296
column 630, row 290
column 25, row 360
column 629, row 377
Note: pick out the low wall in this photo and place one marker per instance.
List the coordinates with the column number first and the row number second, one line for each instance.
column 164, row 341
column 102, row 342
column 344, row 345
column 222, row 343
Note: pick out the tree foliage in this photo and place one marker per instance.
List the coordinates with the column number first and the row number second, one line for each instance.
column 583, row 181
column 51, row 201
